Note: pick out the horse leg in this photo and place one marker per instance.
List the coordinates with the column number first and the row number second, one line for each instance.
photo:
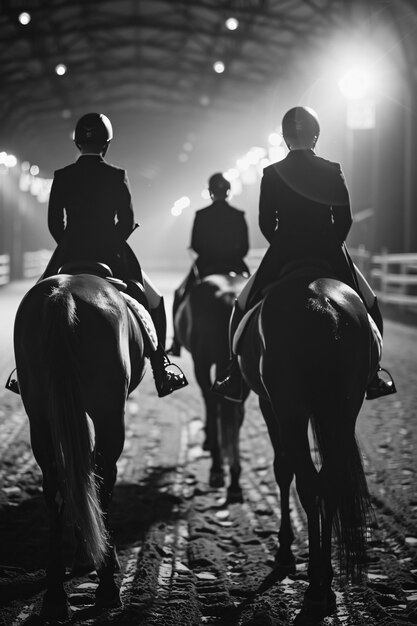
column 211, row 404
column 292, row 435
column 231, row 419
column 54, row 602
column 284, row 474
column 216, row 477
column 109, row 441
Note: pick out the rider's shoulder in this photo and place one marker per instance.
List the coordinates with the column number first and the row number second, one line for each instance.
column 326, row 163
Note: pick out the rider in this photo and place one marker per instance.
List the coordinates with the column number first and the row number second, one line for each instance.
column 220, row 239
column 90, row 216
column 304, row 212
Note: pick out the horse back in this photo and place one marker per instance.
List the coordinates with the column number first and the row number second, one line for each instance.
column 202, row 322
column 88, row 315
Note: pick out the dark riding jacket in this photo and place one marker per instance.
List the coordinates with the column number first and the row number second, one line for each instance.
column 304, row 212
column 220, row 238
column 90, row 216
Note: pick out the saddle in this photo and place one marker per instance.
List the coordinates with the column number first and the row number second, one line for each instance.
column 132, row 292
column 298, row 268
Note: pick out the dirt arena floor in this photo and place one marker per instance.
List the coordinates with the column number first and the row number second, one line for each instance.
column 187, row 558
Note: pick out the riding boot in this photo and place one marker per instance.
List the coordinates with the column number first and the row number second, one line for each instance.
column 12, row 383
column 165, row 381
column 175, row 349
column 231, row 387
column 179, row 296
column 378, row 387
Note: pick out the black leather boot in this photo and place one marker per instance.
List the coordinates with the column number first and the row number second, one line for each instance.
column 166, row 381
column 231, row 387
column 175, row 348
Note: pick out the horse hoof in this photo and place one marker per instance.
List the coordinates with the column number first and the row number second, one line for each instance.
column 315, row 610
column 54, row 610
column 108, row 596
column 285, row 567
column 234, row 497
column 216, row 480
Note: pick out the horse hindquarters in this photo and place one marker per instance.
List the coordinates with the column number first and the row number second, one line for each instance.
column 313, row 371
column 56, row 336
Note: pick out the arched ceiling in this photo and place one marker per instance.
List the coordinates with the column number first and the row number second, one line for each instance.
column 155, row 56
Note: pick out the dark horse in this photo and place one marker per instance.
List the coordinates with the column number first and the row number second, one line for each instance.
column 308, row 352
column 79, row 352
column 202, row 327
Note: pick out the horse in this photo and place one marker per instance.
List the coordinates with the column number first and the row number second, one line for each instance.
column 79, row 353
column 308, row 352
column 202, row 327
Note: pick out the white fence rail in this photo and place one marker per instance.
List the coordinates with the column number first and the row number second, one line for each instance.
column 394, row 277
column 4, row 269
column 35, row 262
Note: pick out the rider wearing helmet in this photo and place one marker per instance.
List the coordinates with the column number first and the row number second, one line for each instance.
column 220, row 239
column 304, row 212
column 90, row 216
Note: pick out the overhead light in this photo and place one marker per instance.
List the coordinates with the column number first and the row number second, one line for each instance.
column 24, row 18
column 219, row 67
column 10, row 160
column 355, row 84
column 232, row 23
column 61, row 69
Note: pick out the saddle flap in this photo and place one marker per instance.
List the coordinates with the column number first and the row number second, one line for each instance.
column 376, row 342
column 144, row 320
column 242, row 325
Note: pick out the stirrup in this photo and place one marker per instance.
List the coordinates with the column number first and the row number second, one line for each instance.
column 12, row 384
column 170, row 381
column 228, row 389
column 381, row 387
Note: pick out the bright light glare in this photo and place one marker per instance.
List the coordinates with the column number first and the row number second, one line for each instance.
column 255, row 154
column 231, row 174
column 183, row 202
column 242, row 164
column 355, row 84
column 219, row 67
column 24, row 18
column 10, row 160
column 232, row 23
column 61, row 69
column 274, row 139
column 179, row 205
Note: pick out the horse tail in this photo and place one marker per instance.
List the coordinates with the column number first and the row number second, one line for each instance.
column 68, row 421
column 333, row 423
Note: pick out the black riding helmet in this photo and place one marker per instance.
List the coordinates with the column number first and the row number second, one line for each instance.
column 93, row 128
column 218, row 184
column 300, row 125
